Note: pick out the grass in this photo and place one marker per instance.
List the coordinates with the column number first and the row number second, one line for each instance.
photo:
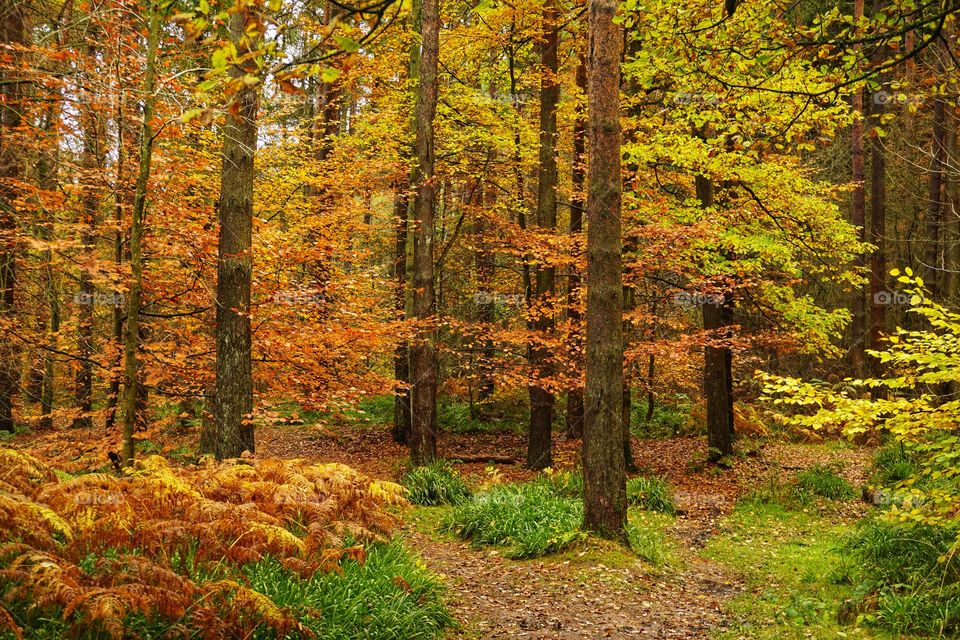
column 893, row 463
column 651, row 494
column 789, row 562
column 823, row 481
column 435, row 484
column 390, row 596
column 908, row 576
column 530, row 519
column 543, row 517
column 648, row 537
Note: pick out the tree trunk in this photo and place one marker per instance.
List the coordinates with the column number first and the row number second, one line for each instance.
column 485, row 266
column 935, row 268
column 541, row 399
column 717, row 361
column 87, row 298
column 626, row 401
column 878, row 220
column 132, row 339
column 234, row 400
column 604, row 478
column 11, row 169
column 401, row 362
column 858, row 324
column 423, row 355
column 578, row 177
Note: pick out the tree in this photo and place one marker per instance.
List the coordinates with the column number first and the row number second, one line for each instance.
column 234, row 388
column 578, row 177
column 132, row 338
column 604, row 477
column 12, row 26
column 423, row 355
column 541, row 398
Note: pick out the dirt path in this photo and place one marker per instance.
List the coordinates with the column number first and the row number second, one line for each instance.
column 494, row 597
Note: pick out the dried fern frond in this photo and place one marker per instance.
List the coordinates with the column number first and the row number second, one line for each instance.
column 7, row 623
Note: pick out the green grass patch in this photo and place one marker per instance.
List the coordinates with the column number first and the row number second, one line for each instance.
column 390, row 596
column 671, row 417
column 823, row 481
column 529, row 520
column 650, row 493
column 789, row 562
column 908, row 576
column 648, row 537
column 435, row 484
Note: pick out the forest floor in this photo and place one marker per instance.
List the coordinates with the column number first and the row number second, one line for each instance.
column 730, row 571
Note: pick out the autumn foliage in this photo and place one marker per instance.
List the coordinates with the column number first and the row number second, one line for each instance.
column 163, row 544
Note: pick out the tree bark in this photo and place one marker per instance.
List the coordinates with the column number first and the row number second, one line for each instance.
column 234, row 399
column 578, row 178
column 717, row 361
column 11, row 169
column 93, row 135
column 541, row 399
column 858, row 324
column 604, row 478
column 878, row 220
column 132, row 338
column 423, row 356
column 401, row 362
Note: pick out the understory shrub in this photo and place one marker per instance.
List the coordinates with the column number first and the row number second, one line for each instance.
column 166, row 549
column 435, row 484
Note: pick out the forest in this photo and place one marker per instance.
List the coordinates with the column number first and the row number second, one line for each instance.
column 410, row 319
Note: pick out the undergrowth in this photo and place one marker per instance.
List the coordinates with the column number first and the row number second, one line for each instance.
column 163, row 548
column 435, row 484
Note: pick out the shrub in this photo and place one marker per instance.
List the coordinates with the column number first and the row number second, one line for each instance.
column 531, row 519
column 652, row 494
column 821, row 480
column 435, row 484
column 165, row 548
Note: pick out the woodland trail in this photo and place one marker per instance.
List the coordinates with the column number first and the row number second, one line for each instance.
column 494, row 597
column 580, row 594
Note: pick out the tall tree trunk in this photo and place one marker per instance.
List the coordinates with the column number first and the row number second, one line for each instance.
column 93, row 135
column 401, row 362
column 934, row 263
column 234, row 401
column 402, row 400
column 541, row 399
column 858, row 324
column 132, row 339
column 878, row 221
column 717, row 361
column 485, row 265
column 604, row 478
column 578, row 177
column 423, row 355
column 626, row 401
column 11, row 169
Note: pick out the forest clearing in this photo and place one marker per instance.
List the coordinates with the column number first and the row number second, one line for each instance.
column 410, row 319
